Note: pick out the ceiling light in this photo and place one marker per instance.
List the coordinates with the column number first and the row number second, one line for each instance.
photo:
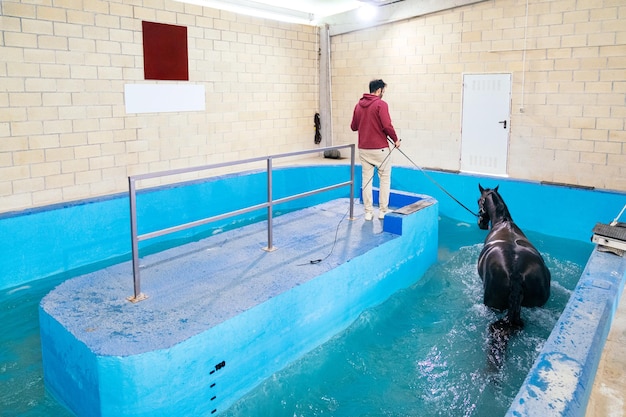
column 367, row 12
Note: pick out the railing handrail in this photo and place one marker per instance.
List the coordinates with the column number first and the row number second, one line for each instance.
column 269, row 204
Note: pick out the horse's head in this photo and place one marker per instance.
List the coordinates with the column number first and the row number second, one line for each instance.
column 483, row 212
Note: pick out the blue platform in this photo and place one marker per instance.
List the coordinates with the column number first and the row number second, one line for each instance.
column 222, row 313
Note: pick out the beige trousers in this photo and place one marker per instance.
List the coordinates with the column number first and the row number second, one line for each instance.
column 380, row 159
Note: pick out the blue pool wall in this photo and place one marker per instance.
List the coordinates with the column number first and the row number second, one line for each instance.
column 78, row 237
column 68, row 239
column 561, row 379
column 556, row 210
column 208, row 372
column 74, row 238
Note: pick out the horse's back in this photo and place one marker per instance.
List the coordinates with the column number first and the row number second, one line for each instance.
column 536, row 278
column 508, row 256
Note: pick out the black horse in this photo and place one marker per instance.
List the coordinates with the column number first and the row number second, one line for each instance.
column 513, row 272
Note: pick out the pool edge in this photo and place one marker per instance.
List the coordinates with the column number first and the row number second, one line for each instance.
column 561, row 379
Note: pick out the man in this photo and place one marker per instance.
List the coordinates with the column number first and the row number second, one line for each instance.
column 371, row 119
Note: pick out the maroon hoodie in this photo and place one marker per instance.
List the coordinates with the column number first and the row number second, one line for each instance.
column 371, row 119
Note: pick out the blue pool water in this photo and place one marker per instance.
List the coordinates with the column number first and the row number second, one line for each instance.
column 421, row 351
column 22, row 390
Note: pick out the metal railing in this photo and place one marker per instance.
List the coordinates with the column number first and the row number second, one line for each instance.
column 269, row 204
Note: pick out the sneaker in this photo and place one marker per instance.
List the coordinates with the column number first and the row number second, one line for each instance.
column 381, row 214
column 368, row 216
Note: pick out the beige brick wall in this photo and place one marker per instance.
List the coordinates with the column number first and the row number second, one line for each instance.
column 574, row 92
column 64, row 133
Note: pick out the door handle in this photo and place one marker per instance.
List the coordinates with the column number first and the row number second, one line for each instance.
column 504, row 122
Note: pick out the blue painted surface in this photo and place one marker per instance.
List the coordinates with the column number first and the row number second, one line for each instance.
column 154, row 367
column 39, row 244
column 80, row 365
column 560, row 211
column 88, row 235
column 75, row 238
column 560, row 382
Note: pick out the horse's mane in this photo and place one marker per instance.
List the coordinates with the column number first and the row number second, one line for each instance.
column 502, row 210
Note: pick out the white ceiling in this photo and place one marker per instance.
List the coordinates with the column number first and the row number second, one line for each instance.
column 320, row 8
column 324, row 7
column 341, row 16
column 297, row 11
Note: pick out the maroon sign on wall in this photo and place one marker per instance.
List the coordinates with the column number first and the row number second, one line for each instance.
column 165, row 52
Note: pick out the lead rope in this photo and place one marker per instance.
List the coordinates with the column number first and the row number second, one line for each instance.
column 316, row 261
column 436, row 183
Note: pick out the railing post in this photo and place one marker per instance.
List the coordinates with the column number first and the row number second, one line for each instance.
column 270, row 209
column 134, row 242
column 352, row 147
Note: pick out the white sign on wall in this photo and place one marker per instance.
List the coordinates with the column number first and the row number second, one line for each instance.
column 160, row 98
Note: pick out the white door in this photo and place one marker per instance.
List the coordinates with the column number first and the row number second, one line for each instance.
column 486, row 123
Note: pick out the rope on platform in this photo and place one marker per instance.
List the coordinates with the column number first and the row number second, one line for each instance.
column 316, row 261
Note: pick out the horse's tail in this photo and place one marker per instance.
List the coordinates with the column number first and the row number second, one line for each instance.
column 501, row 330
column 514, row 311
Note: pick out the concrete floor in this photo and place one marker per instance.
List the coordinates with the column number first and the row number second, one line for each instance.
column 609, row 388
